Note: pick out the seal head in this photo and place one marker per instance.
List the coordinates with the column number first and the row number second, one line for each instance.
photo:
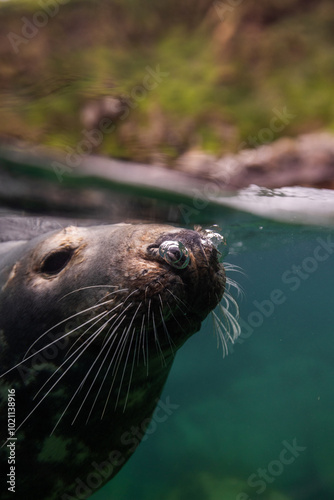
column 91, row 319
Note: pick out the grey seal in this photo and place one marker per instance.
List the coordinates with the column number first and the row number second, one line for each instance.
column 90, row 321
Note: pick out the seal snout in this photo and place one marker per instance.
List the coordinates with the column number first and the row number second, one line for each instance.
column 193, row 257
column 175, row 253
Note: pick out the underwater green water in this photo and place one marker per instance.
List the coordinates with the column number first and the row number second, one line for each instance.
column 257, row 424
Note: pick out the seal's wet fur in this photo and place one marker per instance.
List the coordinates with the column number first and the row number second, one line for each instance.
column 90, row 320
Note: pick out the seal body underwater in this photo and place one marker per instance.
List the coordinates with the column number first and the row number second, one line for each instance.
column 90, row 321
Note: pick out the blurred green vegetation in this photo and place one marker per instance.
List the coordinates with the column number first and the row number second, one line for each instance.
column 225, row 68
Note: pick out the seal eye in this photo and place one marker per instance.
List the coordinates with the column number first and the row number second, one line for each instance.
column 175, row 254
column 56, row 261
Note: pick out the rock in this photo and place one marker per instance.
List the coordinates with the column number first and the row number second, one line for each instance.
column 306, row 161
column 197, row 163
column 106, row 107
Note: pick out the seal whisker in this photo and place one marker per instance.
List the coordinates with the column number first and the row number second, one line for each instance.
column 221, row 332
column 236, row 329
column 142, row 340
column 231, row 283
column 144, row 337
column 89, row 341
column 127, row 356
column 67, row 333
column 96, row 334
column 229, row 267
column 147, row 353
column 157, row 341
column 112, row 338
column 91, row 287
column 80, row 347
column 67, row 319
column 132, row 367
column 118, row 353
column 230, row 329
column 173, row 316
column 233, row 323
column 106, row 313
column 87, row 374
column 224, row 328
column 171, row 343
column 177, row 300
column 120, row 349
column 228, row 299
column 231, row 319
column 25, row 359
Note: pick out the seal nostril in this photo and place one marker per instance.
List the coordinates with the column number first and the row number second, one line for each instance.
column 56, row 261
column 175, row 253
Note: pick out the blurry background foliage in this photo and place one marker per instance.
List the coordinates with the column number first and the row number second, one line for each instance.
column 229, row 64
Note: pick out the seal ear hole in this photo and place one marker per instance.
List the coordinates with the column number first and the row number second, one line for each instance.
column 56, row 261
